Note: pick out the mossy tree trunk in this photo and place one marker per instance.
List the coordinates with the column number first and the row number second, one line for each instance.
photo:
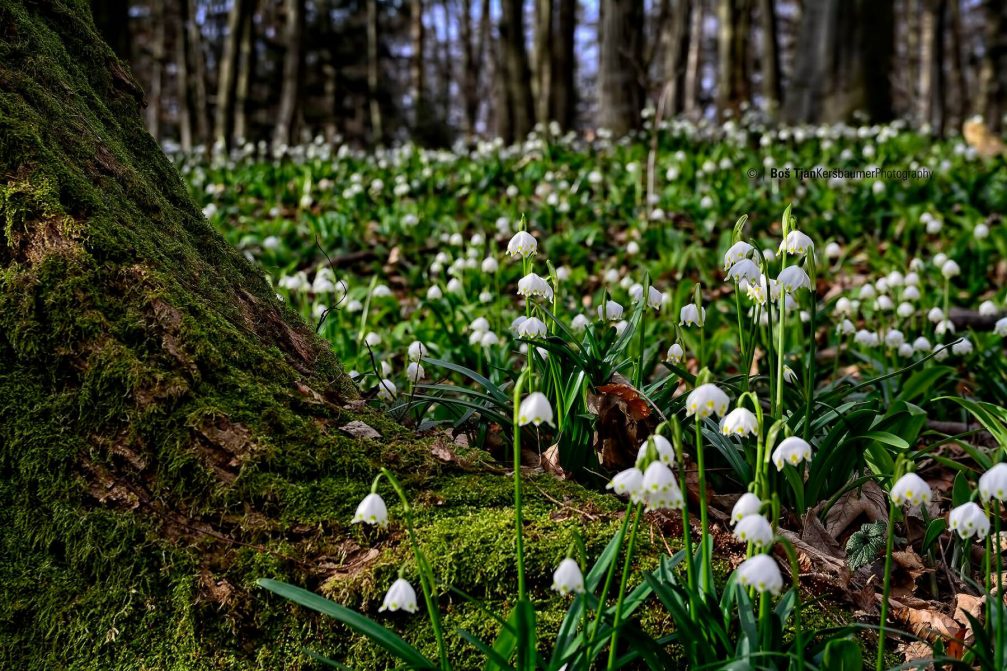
column 169, row 431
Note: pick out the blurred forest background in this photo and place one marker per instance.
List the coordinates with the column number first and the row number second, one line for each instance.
column 373, row 72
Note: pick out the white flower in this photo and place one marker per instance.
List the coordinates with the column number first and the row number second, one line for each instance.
column 866, row 338
column 676, row 354
column 706, row 400
column 761, row 573
column 455, row 286
column 490, row 265
column 611, row 311
column 846, row 327
column 633, row 248
column 793, row 278
column 660, row 488
column 738, row 251
column 415, row 372
column 480, row 325
column 748, row 504
column 417, row 351
column 579, row 323
column 690, row 314
column 796, row 243
column 950, row 269
column 379, row 291
column 884, row 303
column 754, row 529
column 993, row 483
column 620, row 326
column 400, row 596
column 791, row 451
column 739, row 422
column 523, row 244
column 941, row 352
column 894, row 339
column 489, row 339
column 563, row 273
column 533, row 285
column 532, row 327
column 1001, row 327
column 567, row 578
column 867, row 292
column 628, row 482
column 371, row 510
column 935, row 315
column 962, row 347
column 746, row 270
column 921, row 344
column 906, row 350
column 434, row 293
column 665, row 452
column 387, row 390
column 655, row 298
column 372, row 339
column 912, row 489
column 913, row 278
column 988, row 309
column 945, row 326
column 789, row 376
column 905, row 310
column 969, row 520
column 833, row 250
column 534, row 409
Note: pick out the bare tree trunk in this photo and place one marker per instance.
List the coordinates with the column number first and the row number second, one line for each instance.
column 563, row 90
column 227, row 75
column 771, row 79
column 470, row 73
column 993, row 69
column 373, row 73
column 543, row 67
column 938, row 112
column 289, row 94
column 246, row 74
column 733, row 21
column 911, row 65
column 183, row 94
column 676, row 54
column 516, row 71
column 928, row 47
column 197, row 75
column 156, row 69
column 620, row 78
column 959, row 73
column 417, row 88
column 692, row 81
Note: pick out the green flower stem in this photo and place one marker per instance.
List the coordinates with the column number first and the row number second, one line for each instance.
column 765, row 625
column 518, row 521
column 795, row 579
column 998, row 640
column 705, row 567
column 988, row 557
column 626, row 565
column 889, row 542
column 609, row 575
column 811, row 369
column 427, row 580
column 741, row 334
column 640, row 342
column 779, row 353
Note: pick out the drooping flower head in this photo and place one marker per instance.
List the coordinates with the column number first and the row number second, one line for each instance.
column 739, row 422
column 754, row 529
column 791, row 451
column 371, row 510
column 706, row 400
column 691, row 314
column 969, row 520
column 567, row 578
column 911, row 489
column 400, row 596
column 796, row 243
column 747, row 504
column 523, row 244
column 761, row 573
column 532, row 285
column 993, row 483
column 628, row 483
column 738, row 251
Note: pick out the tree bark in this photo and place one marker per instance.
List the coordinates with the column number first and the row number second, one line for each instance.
column 993, row 68
column 197, row 74
column 543, row 65
column 246, row 75
column 157, row 15
column 676, row 54
column 772, row 91
column 692, row 80
column 563, row 89
column 227, row 73
column 183, row 95
column 928, row 49
column 958, row 71
column 515, row 71
column 470, row 73
column 373, row 73
column 290, row 92
column 417, row 85
column 620, row 78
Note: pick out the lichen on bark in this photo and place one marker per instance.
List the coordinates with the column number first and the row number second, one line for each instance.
column 170, row 431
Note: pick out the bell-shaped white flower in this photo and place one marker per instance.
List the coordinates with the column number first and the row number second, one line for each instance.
column 981, row 231
column 754, row 529
column 372, row 339
column 655, row 298
column 738, row 251
column 706, row 400
column 479, row 325
column 905, row 350
column 371, row 510
column 579, row 323
column 610, row 311
column 950, row 269
column 867, row 292
column 905, row 310
column 884, row 303
column 962, row 347
column 434, row 293
column 661, row 446
column 988, row 309
column 489, row 265
column 747, row 504
column 415, row 372
column 1000, row 328
column 846, row 327
column 532, row 285
column 796, row 243
column 534, row 409
column 911, row 292
column 894, row 339
column 921, row 344
column 532, row 327
column 866, row 338
column 417, row 351
column 833, row 250
column 744, row 270
column 400, row 596
column 791, row 451
column 676, row 354
column 567, row 578
column 761, row 573
column 523, row 244
column 911, row 489
column 944, row 326
column 658, row 478
column 739, row 422
column 793, row 278
column 691, row 314
column 935, row 315
column 628, row 483
column 789, row 376
column 669, row 498
column 969, row 520
column 993, row 483
column 387, row 390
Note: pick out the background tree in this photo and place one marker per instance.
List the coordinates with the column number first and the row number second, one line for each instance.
column 620, row 86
